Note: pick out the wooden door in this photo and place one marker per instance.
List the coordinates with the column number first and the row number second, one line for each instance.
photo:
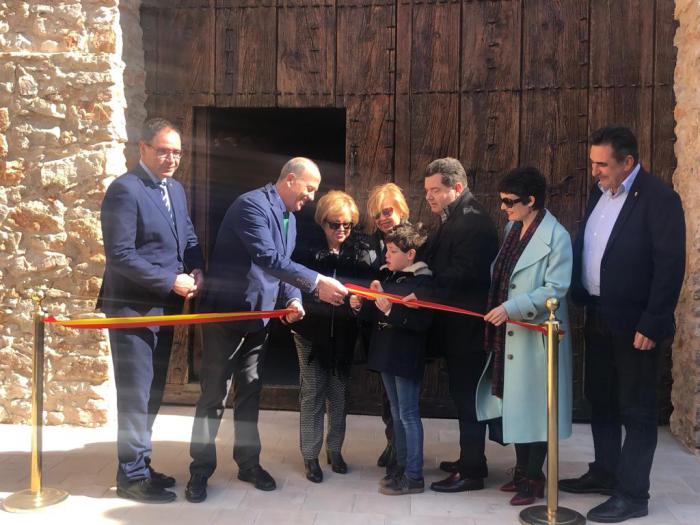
column 496, row 83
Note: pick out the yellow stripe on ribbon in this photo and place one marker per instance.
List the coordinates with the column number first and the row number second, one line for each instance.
column 166, row 320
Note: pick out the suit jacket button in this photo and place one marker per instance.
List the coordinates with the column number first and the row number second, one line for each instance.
column 530, row 314
column 510, row 332
column 510, row 356
column 512, row 287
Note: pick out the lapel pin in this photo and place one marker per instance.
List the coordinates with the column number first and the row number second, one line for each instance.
column 636, row 193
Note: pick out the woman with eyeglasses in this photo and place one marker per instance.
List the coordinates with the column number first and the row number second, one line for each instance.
column 386, row 209
column 325, row 338
column 533, row 264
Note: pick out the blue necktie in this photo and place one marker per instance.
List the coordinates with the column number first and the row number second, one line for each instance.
column 163, row 185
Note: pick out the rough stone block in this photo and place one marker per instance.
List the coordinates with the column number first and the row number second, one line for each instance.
column 4, row 120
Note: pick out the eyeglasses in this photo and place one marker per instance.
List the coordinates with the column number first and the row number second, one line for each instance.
column 386, row 213
column 164, row 153
column 338, row 225
column 509, row 203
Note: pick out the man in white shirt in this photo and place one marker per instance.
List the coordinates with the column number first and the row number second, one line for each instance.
column 629, row 260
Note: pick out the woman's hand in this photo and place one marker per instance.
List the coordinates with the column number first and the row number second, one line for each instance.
column 497, row 316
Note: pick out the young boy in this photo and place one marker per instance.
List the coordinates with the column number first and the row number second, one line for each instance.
column 397, row 351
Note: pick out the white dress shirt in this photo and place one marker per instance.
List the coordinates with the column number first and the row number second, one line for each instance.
column 598, row 229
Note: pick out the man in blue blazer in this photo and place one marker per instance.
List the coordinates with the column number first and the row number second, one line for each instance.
column 629, row 260
column 153, row 261
column 250, row 269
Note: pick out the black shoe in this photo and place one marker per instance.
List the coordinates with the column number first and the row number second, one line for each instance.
column 313, row 470
column 401, row 485
column 615, row 510
column 196, row 490
column 449, row 466
column 589, row 483
column 387, row 456
column 337, row 463
column 143, row 490
column 258, row 477
column 456, row 483
column 160, row 480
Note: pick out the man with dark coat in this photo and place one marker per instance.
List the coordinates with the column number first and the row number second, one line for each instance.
column 629, row 260
column 153, row 262
column 460, row 253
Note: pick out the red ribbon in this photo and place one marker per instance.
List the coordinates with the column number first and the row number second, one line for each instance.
column 371, row 294
column 166, row 320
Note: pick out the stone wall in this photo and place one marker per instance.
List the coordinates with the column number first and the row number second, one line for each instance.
column 62, row 136
column 685, row 421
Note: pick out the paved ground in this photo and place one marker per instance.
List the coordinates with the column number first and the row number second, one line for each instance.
column 82, row 461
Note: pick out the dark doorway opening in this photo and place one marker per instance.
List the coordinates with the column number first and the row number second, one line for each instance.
column 248, row 148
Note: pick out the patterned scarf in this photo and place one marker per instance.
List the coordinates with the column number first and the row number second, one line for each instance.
column 495, row 336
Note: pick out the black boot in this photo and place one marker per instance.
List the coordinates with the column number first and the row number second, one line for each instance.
column 313, row 470
column 337, row 463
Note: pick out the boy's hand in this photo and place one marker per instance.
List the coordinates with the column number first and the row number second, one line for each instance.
column 376, row 286
column 408, row 300
column 384, row 305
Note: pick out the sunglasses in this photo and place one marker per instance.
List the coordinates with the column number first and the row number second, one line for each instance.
column 338, row 225
column 511, row 202
column 386, row 213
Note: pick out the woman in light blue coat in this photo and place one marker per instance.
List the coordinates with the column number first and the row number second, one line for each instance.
column 533, row 264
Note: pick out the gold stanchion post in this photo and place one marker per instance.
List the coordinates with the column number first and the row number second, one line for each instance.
column 552, row 513
column 36, row 496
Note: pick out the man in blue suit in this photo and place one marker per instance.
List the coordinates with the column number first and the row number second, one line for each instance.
column 250, row 269
column 629, row 260
column 153, row 262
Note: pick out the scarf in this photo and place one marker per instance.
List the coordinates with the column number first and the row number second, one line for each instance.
column 495, row 336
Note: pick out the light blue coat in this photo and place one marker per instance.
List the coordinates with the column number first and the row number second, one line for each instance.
column 543, row 271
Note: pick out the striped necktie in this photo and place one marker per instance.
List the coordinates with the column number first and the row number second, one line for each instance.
column 163, row 185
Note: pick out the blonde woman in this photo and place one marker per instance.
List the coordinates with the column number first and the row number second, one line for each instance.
column 325, row 338
column 386, row 209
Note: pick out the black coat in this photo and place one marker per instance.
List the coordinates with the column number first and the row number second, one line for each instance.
column 641, row 273
column 397, row 343
column 333, row 330
column 460, row 253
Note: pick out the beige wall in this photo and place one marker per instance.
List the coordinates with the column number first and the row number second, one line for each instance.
column 62, row 134
column 685, row 420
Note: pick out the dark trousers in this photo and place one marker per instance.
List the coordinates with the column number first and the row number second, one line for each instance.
column 228, row 355
column 621, row 384
column 464, row 370
column 140, row 357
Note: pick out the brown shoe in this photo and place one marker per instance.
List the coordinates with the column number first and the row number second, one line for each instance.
column 403, row 485
column 456, row 483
